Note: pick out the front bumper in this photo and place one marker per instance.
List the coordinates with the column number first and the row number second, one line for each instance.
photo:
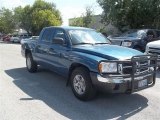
column 132, row 81
column 111, row 84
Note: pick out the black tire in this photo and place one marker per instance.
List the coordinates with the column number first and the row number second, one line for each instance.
column 33, row 65
column 89, row 92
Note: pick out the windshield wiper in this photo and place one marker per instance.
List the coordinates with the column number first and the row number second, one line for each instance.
column 83, row 43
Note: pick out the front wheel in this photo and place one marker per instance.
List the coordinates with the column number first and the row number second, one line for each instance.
column 30, row 63
column 81, row 84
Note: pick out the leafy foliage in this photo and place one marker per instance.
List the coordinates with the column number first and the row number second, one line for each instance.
column 85, row 19
column 6, row 21
column 43, row 18
column 76, row 22
column 31, row 18
column 131, row 13
column 44, row 14
column 23, row 17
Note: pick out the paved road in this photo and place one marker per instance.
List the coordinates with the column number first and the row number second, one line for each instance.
column 44, row 96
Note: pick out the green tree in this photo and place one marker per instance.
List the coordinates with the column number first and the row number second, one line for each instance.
column 34, row 18
column 6, row 21
column 131, row 13
column 76, row 22
column 87, row 17
column 43, row 18
column 42, row 5
column 23, row 17
column 85, row 20
column 44, row 14
column 18, row 12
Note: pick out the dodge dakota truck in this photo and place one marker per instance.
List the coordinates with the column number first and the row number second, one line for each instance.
column 89, row 62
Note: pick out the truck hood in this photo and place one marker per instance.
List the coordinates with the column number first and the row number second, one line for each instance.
column 155, row 44
column 119, row 40
column 123, row 38
column 110, row 52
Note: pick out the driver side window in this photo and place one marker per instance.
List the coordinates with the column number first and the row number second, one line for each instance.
column 59, row 34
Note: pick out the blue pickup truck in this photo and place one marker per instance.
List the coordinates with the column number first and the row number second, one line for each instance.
column 89, row 62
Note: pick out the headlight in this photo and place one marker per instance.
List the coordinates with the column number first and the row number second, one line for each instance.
column 126, row 44
column 107, row 67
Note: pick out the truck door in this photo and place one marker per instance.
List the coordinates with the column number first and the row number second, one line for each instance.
column 41, row 51
column 59, row 53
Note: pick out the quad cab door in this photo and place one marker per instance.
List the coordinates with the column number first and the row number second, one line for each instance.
column 59, row 53
column 42, row 47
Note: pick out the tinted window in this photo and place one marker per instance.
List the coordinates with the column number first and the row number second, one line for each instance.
column 46, row 35
column 59, row 34
column 134, row 33
column 87, row 36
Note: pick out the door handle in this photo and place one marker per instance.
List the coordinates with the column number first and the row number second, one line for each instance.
column 51, row 51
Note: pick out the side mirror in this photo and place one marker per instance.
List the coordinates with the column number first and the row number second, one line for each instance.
column 57, row 40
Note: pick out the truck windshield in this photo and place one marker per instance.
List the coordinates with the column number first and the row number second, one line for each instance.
column 80, row 37
column 134, row 33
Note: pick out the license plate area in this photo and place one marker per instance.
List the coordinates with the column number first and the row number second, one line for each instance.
column 142, row 83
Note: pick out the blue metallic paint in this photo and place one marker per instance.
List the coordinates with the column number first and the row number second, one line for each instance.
column 65, row 56
column 109, row 52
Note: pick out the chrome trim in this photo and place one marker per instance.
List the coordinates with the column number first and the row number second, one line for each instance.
column 114, row 79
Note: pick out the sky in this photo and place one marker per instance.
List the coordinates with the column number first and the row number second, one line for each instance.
column 68, row 8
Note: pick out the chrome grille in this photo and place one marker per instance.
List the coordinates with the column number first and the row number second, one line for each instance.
column 127, row 67
column 154, row 50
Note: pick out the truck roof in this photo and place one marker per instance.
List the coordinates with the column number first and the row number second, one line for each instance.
column 70, row 28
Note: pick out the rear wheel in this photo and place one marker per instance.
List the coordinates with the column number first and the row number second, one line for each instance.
column 81, row 84
column 30, row 63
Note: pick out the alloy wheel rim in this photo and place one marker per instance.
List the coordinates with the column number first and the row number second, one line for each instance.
column 79, row 84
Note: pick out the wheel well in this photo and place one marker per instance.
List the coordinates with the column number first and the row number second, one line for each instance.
column 26, row 52
column 73, row 67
